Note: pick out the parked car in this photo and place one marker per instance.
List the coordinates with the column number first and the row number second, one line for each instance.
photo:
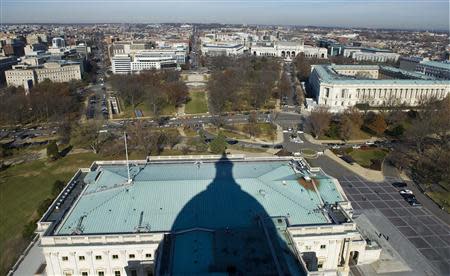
column 399, row 184
column 278, row 147
column 335, row 146
column 406, row 192
column 356, row 146
column 413, row 201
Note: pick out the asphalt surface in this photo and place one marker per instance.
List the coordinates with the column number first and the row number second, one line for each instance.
column 429, row 234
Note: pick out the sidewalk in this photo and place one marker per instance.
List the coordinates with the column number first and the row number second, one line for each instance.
column 371, row 175
column 278, row 140
column 312, row 140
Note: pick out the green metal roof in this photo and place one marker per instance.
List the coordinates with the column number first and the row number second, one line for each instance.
column 185, row 194
column 327, row 75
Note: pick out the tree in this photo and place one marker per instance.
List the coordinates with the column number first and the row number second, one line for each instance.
column 219, row 144
column 350, row 123
column 319, row 120
column 377, row 124
column 88, row 135
column 52, row 151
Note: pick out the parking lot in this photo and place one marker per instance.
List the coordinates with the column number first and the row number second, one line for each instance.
column 428, row 234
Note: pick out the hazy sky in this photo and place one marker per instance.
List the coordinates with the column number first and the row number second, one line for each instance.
column 425, row 14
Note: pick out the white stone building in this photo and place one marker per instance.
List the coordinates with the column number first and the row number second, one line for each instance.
column 227, row 49
column 343, row 86
column 286, row 49
column 165, row 217
column 26, row 76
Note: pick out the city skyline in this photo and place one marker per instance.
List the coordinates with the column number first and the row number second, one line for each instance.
column 398, row 14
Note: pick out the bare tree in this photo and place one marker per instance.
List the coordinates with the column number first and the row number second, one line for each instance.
column 319, row 120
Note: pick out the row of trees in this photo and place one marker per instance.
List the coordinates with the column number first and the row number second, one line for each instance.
column 157, row 89
column 46, row 101
column 422, row 137
column 239, row 83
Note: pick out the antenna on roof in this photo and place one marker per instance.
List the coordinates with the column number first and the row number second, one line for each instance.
column 126, row 153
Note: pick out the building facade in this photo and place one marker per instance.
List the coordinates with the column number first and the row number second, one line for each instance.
column 287, row 49
column 172, row 218
column 440, row 70
column 27, row 76
column 341, row 86
column 217, row 49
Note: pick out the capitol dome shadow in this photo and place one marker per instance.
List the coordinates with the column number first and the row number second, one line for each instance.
column 224, row 230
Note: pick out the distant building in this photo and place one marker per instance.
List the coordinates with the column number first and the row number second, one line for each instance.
column 174, row 217
column 121, row 64
column 58, row 42
column 37, row 38
column 409, row 63
column 26, row 76
column 370, row 54
column 440, row 70
column 5, row 64
column 217, row 49
column 343, row 86
column 286, row 49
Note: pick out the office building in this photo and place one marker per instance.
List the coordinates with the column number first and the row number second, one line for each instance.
column 343, row 86
column 26, row 76
column 218, row 49
column 58, row 42
column 5, row 64
column 370, row 54
column 437, row 69
column 121, row 64
column 147, row 60
column 202, row 216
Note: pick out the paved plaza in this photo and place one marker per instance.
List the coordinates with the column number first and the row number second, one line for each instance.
column 428, row 234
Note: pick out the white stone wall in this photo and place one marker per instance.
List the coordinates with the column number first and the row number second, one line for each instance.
column 340, row 96
column 77, row 254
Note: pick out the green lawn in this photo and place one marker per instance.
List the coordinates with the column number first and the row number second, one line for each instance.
column 22, row 188
column 128, row 111
column 442, row 198
column 197, row 104
column 365, row 157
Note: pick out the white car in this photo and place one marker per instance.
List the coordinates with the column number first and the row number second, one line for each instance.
column 356, row 147
column 405, row 192
column 300, row 132
column 285, row 131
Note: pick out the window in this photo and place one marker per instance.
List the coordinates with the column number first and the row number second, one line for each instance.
column 98, row 257
column 133, row 272
column 320, row 265
column 323, row 246
column 117, row 273
column 84, row 273
column 131, row 256
column 148, row 255
column 81, row 258
column 101, row 273
column 65, row 258
column 115, row 257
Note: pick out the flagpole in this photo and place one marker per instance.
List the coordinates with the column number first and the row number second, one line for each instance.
column 126, row 153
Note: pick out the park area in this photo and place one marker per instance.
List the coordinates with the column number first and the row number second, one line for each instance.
column 367, row 157
column 23, row 189
column 197, row 103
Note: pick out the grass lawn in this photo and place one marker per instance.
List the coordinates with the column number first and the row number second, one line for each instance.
column 365, row 157
column 22, row 188
column 190, row 132
column 442, row 198
column 266, row 131
column 128, row 111
column 246, row 149
column 197, row 104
